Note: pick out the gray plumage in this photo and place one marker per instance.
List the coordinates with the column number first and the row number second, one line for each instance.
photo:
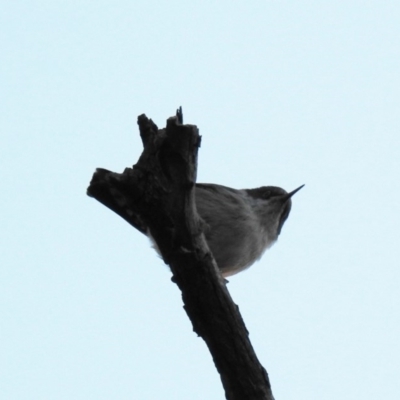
column 240, row 224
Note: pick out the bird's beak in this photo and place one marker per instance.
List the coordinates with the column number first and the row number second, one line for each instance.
column 289, row 195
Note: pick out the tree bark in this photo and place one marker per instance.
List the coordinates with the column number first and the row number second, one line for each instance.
column 156, row 196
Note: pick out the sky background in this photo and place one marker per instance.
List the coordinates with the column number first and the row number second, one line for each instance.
column 284, row 93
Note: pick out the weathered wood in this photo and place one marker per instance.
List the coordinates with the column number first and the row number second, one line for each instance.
column 156, row 195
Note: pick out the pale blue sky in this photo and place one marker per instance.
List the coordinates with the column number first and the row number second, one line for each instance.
column 284, row 93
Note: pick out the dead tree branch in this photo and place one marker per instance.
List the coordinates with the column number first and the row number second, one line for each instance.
column 156, row 195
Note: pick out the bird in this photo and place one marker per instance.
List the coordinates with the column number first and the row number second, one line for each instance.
column 240, row 224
